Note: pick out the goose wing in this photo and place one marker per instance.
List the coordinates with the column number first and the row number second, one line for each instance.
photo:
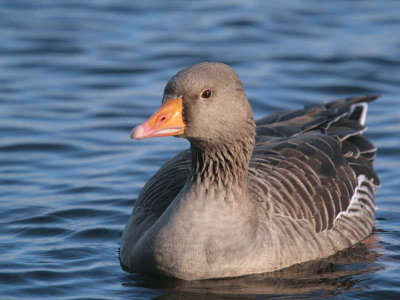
column 314, row 164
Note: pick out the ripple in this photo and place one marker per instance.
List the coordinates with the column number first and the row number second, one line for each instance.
column 80, row 213
column 77, row 75
column 121, row 70
column 72, row 253
column 38, row 220
column 46, row 146
column 98, row 234
column 40, row 232
column 11, row 278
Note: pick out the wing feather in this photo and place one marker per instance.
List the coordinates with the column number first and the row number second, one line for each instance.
column 316, row 164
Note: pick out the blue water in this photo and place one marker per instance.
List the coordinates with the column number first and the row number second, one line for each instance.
column 76, row 76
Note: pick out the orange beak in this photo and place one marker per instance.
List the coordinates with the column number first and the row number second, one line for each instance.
column 164, row 122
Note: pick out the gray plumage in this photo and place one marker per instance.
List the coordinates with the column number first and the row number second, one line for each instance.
column 252, row 197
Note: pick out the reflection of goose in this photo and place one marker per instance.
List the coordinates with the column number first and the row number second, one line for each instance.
column 249, row 197
column 340, row 273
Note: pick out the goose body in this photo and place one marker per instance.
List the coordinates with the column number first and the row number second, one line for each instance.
column 249, row 196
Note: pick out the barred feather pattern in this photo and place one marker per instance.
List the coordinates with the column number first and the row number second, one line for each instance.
column 310, row 174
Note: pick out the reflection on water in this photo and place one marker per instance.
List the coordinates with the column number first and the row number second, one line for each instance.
column 344, row 272
column 76, row 76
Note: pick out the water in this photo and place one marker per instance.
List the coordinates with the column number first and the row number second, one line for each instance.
column 76, row 76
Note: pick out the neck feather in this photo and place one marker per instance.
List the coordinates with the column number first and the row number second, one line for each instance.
column 225, row 161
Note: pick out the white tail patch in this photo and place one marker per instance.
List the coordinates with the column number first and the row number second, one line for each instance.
column 364, row 111
column 355, row 207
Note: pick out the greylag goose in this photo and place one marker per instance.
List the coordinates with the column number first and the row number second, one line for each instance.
column 249, row 196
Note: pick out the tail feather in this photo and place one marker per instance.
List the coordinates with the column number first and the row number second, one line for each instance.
column 343, row 119
column 359, row 113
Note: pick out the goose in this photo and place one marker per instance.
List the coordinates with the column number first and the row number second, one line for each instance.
column 249, row 196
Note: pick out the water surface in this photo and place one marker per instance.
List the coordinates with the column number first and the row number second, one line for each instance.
column 76, row 76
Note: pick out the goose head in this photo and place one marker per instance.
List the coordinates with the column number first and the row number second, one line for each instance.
column 204, row 103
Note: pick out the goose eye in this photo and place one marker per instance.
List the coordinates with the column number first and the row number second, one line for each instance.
column 206, row 94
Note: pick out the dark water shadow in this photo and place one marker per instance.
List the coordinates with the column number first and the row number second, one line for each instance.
column 343, row 272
